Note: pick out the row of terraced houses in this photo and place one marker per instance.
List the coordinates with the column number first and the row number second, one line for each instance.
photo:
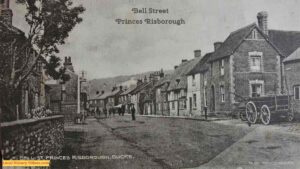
column 253, row 61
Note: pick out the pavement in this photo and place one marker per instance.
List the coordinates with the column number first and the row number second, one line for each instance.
column 266, row 147
column 162, row 142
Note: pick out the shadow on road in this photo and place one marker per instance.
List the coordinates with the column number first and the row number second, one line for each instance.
column 72, row 143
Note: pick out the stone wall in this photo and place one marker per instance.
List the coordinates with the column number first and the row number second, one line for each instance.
column 32, row 137
column 69, row 110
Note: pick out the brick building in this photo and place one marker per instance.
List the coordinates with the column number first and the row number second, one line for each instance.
column 161, row 96
column 197, row 86
column 177, row 88
column 291, row 72
column 248, row 64
column 32, row 93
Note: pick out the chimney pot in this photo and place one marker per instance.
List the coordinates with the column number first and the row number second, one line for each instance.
column 197, row 53
column 262, row 19
column 217, row 45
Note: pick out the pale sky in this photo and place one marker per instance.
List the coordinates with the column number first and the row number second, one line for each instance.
column 103, row 48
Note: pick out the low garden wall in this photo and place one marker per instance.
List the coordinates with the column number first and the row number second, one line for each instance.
column 32, row 137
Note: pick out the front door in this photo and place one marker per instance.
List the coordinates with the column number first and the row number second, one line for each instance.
column 191, row 104
column 213, row 98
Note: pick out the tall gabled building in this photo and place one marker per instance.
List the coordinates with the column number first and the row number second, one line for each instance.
column 249, row 64
column 177, row 87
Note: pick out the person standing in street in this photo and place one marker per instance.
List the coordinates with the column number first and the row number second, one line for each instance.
column 123, row 109
column 97, row 112
column 105, row 112
column 133, row 112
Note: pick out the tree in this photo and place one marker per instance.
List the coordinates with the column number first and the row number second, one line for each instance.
column 50, row 22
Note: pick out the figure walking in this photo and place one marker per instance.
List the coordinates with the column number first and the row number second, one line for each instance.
column 133, row 112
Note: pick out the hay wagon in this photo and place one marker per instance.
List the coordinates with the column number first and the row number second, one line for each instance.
column 268, row 108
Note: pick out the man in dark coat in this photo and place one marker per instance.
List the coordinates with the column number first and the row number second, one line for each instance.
column 133, row 112
column 123, row 109
column 105, row 112
column 97, row 112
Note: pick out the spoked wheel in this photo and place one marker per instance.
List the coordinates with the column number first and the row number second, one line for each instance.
column 243, row 116
column 265, row 115
column 290, row 116
column 251, row 112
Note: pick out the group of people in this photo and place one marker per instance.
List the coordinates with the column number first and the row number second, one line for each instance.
column 112, row 111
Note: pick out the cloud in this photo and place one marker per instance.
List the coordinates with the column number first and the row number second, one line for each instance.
column 103, row 48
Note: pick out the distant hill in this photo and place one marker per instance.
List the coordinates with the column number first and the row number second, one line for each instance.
column 107, row 83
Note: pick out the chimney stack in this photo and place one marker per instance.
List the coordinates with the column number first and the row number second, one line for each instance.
column 6, row 13
column 197, row 53
column 184, row 60
column 262, row 19
column 217, row 45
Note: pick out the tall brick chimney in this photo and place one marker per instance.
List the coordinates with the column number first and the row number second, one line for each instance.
column 197, row 53
column 6, row 13
column 217, row 45
column 262, row 20
column 68, row 64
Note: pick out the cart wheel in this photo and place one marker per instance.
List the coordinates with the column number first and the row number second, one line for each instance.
column 265, row 115
column 290, row 116
column 251, row 112
column 243, row 116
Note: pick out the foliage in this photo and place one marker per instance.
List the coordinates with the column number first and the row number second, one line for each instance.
column 50, row 22
column 39, row 112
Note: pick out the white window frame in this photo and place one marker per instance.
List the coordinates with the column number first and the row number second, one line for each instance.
column 193, row 80
column 222, row 93
column 205, row 78
column 182, row 104
column 194, row 100
column 260, row 82
column 254, row 34
column 252, row 55
column 222, row 65
column 297, row 97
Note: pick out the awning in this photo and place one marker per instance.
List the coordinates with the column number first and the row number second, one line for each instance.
column 118, row 106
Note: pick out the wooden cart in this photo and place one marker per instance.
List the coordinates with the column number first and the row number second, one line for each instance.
column 269, row 107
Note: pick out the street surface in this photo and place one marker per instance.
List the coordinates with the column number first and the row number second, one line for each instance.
column 180, row 143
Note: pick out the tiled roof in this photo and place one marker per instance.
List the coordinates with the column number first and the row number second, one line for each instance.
column 178, row 79
column 128, row 90
column 286, row 41
column 294, row 56
column 141, row 87
column 109, row 94
column 202, row 65
column 6, row 29
column 232, row 42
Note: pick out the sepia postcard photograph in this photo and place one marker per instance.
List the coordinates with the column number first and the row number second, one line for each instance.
column 150, row 84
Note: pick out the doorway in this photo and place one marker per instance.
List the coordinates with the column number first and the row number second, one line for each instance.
column 213, row 101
